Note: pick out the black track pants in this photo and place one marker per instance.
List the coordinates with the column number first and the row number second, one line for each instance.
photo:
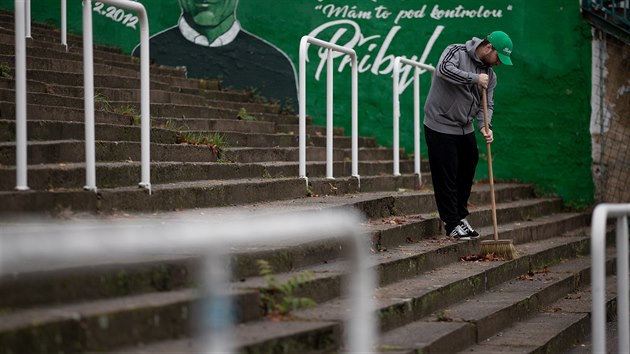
column 453, row 160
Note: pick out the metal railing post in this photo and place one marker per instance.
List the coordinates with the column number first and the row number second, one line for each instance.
column 88, row 104
column 88, row 76
column 417, row 67
column 355, row 117
column 396, row 117
column 27, row 17
column 363, row 327
column 21, row 163
column 64, row 21
column 216, row 313
column 416, row 124
column 302, row 109
column 304, row 42
column 329, row 114
column 598, row 275
column 623, row 326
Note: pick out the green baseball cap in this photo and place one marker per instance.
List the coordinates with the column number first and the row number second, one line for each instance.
column 503, row 44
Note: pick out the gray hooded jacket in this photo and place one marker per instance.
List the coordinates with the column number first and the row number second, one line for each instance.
column 454, row 99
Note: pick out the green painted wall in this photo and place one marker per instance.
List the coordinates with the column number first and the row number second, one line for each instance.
column 542, row 103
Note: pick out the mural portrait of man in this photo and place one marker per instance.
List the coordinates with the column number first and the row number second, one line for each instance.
column 209, row 41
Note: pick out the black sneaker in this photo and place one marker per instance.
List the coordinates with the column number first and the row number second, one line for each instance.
column 459, row 233
column 468, row 229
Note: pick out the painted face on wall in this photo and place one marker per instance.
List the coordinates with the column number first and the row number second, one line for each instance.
column 208, row 12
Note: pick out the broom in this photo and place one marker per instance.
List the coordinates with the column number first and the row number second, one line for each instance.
column 500, row 248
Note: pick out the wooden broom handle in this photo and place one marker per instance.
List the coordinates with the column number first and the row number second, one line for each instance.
column 484, row 98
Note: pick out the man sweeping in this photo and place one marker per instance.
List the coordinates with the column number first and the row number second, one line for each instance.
column 453, row 104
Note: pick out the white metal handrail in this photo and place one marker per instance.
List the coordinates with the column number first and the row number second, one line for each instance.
column 63, row 21
column 601, row 214
column 329, row 108
column 88, row 77
column 22, row 25
column 38, row 246
column 64, row 26
column 417, row 70
column 27, row 16
column 21, row 166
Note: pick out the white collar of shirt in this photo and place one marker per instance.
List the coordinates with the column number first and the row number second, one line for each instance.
column 190, row 34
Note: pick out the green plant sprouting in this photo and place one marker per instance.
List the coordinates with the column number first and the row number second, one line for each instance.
column 103, row 102
column 214, row 141
column 5, row 72
column 279, row 298
column 104, row 105
column 243, row 115
column 255, row 95
column 129, row 111
column 287, row 107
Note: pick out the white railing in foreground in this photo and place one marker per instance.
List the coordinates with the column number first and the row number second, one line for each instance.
column 38, row 246
column 88, row 77
column 21, row 166
column 417, row 71
column 601, row 214
column 330, row 47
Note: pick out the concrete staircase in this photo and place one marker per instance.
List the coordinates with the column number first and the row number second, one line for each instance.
column 256, row 151
column 435, row 294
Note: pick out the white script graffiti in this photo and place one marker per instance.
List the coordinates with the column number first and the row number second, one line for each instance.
column 115, row 14
column 382, row 12
column 379, row 64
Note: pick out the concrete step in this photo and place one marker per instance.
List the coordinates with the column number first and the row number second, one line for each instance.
column 124, row 115
column 218, row 110
column 174, row 196
column 558, row 327
column 60, row 78
column 39, row 112
column 107, row 324
column 73, row 151
column 44, row 50
column 132, row 94
column 194, row 194
column 262, row 337
column 53, row 44
column 38, row 53
column 42, row 112
column 318, row 130
column 47, row 130
column 64, row 65
column 116, row 174
column 513, row 218
column 168, row 133
column 164, row 82
column 248, row 126
column 46, row 33
column 200, row 107
column 488, row 316
column 42, row 45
